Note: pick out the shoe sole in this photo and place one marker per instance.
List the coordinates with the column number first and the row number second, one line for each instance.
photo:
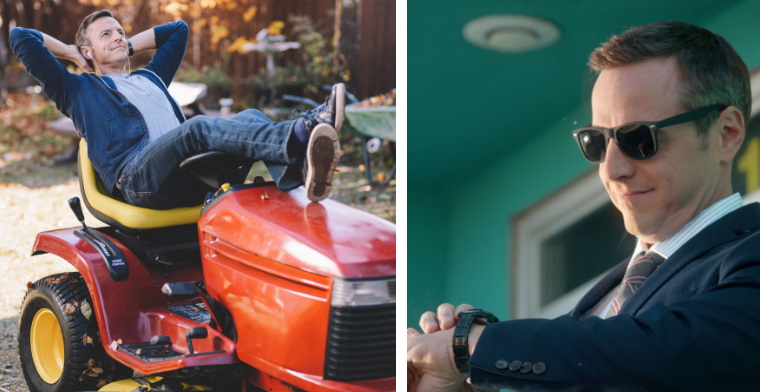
column 339, row 90
column 322, row 156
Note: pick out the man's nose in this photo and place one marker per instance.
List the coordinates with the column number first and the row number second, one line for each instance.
column 616, row 164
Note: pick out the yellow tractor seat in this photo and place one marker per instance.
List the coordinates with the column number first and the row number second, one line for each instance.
column 120, row 214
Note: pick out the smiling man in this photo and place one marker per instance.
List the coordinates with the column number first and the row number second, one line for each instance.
column 669, row 110
column 105, row 39
column 689, row 171
column 136, row 132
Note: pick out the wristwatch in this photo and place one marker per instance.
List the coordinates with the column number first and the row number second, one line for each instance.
column 462, row 333
column 131, row 49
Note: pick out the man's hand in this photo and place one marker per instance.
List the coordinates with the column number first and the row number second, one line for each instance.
column 79, row 60
column 64, row 51
column 445, row 318
column 430, row 362
column 430, row 357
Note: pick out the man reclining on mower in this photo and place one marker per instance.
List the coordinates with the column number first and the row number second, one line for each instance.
column 137, row 134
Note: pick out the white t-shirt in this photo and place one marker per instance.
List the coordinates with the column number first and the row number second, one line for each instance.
column 150, row 100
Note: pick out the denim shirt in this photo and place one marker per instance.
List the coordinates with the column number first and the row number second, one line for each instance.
column 114, row 129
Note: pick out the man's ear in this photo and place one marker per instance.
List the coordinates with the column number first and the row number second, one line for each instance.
column 86, row 52
column 731, row 130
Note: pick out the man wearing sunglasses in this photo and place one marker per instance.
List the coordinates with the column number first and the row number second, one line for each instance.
column 669, row 111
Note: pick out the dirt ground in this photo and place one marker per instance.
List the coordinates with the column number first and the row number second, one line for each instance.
column 33, row 198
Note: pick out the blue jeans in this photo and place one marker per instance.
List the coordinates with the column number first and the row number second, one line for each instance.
column 154, row 180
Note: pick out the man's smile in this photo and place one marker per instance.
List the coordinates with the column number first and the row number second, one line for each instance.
column 631, row 195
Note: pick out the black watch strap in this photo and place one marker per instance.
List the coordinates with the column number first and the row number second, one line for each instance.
column 131, row 49
column 462, row 333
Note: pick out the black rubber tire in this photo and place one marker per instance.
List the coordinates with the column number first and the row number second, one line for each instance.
column 86, row 365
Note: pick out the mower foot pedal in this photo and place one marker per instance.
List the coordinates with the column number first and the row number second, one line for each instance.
column 179, row 289
column 160, row 340
column 154, row 351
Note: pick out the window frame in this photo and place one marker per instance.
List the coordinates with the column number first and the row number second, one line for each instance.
column 754, row 112
column 541, row 221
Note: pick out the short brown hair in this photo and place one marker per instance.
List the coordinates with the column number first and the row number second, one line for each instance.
column 711, row 69
column 81, row 38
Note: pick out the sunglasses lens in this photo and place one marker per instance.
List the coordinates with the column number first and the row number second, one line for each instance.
column 593, row 144
column 636, row 141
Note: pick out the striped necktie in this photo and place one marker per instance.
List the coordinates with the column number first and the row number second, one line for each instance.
column 637, row 273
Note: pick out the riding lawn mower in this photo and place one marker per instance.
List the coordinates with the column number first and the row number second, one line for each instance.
column 255, row 290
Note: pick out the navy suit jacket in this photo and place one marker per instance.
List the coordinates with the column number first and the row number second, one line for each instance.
column 693, row 326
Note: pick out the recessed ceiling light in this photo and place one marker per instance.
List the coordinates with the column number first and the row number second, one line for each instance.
column 511, row 33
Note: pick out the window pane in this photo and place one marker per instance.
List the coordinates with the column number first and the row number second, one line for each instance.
column 582, row 251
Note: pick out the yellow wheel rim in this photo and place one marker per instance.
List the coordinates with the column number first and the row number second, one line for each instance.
column 46, row 340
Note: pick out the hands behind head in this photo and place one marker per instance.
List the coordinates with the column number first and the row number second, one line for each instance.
column 430, row 363
column 80, row 60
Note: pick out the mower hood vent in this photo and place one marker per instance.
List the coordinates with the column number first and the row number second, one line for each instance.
column 361, row 343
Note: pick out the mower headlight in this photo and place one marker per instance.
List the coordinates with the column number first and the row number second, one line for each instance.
column 363, row 292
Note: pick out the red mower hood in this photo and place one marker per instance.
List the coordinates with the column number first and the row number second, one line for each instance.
column 328, row 238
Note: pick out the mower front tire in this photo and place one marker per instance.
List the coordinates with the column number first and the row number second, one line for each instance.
column 58, row 341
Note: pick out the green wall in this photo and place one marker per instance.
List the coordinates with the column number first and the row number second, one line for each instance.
column 481, row 219
column 427, row 238
column 459, row 242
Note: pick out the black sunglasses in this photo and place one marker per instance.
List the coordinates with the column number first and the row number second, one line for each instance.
column 637, row 140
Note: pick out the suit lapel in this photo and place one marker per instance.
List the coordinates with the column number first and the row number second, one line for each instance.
column 599, row 290
column 719, row 232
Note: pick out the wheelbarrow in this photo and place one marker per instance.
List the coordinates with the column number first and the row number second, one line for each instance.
column 373, row 124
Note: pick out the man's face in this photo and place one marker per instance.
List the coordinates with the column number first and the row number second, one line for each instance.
column 659, row 195
column 108, row 41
